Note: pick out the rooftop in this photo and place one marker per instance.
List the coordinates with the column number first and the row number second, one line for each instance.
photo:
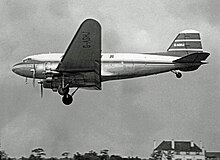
column 179, row 146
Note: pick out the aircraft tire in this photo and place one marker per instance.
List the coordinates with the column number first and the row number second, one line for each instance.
column 178, row 75
column 67, row 99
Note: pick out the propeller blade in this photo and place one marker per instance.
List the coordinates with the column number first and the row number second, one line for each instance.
column 34, row 74
column 33, row 79
column 41, row 90
column 26, row 80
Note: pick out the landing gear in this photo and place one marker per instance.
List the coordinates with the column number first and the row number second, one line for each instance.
column 178, row 74
column 63, row 91
column 67, row 98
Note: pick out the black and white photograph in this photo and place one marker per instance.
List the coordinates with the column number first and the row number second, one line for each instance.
column 109, row 80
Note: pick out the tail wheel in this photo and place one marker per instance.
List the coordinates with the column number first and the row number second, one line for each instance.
column 178, row 75
column 67, row 99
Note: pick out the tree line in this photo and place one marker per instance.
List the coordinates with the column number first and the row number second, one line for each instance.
column 40, row 154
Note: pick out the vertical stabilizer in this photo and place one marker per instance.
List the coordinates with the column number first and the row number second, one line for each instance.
column 186, row 42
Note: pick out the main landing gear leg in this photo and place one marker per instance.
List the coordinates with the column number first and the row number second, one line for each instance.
column 68, row 98
column 178, row 74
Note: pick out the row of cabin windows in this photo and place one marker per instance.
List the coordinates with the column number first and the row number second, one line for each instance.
column 188, row 153
column 111, row 56
column 186, row 159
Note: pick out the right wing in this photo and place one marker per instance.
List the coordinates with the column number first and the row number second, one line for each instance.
column 83, row 55
column 84, row 50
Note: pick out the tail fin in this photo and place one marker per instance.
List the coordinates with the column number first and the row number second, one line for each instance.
column 186, row 42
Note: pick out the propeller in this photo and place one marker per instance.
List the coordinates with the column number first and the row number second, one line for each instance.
column 41, row 88
column 26, row 80
column 34, row 74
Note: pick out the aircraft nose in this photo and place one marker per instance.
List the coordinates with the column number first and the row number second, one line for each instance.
column 19, row 69
column 15, row 68
column 22, row 69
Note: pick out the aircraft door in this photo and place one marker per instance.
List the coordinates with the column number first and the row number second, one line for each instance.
column 128, row 66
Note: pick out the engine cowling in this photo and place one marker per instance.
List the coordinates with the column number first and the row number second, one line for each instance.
column 51, row 84
column 44, row 70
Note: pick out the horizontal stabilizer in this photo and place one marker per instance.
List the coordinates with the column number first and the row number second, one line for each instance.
column 193, row 58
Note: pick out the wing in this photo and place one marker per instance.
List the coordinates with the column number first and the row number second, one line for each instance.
column 83, row 55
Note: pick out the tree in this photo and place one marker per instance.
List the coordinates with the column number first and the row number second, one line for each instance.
column 92, row 155
column 65, row 154
column 169, row 154
column 104, row 154
column 156, row 155
column 3, row 155
column 78, row 156
column 37, row 154
column 116, row 157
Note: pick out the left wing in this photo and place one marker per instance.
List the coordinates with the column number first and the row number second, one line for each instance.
column 83, row 55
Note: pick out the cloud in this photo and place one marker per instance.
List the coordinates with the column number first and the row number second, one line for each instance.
column 126, row 116
column 195, row 11
column 23, row 132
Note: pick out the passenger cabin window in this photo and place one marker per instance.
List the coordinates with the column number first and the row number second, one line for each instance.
column 111, row 56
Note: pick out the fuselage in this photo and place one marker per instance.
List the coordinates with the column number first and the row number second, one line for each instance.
column 113, row 65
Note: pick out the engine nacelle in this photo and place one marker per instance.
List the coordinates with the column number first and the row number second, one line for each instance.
column 44, row 70
column 51, row 84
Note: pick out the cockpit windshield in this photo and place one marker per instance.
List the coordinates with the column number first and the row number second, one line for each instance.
column 26, row 59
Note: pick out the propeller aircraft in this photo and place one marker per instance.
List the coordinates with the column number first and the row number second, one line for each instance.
column 83, row 65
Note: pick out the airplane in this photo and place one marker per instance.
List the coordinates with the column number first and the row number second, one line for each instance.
column 83, row 65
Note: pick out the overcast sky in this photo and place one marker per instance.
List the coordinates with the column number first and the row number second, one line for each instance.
column 126, row 116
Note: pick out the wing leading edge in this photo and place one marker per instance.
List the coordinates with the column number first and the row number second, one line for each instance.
column 83, row 55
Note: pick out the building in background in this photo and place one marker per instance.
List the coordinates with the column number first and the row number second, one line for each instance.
column 178, row 150
column 212, row 155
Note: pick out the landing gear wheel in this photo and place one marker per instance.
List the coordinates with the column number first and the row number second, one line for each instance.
column 178, row 75
column 67, row 99
column 63, row 91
